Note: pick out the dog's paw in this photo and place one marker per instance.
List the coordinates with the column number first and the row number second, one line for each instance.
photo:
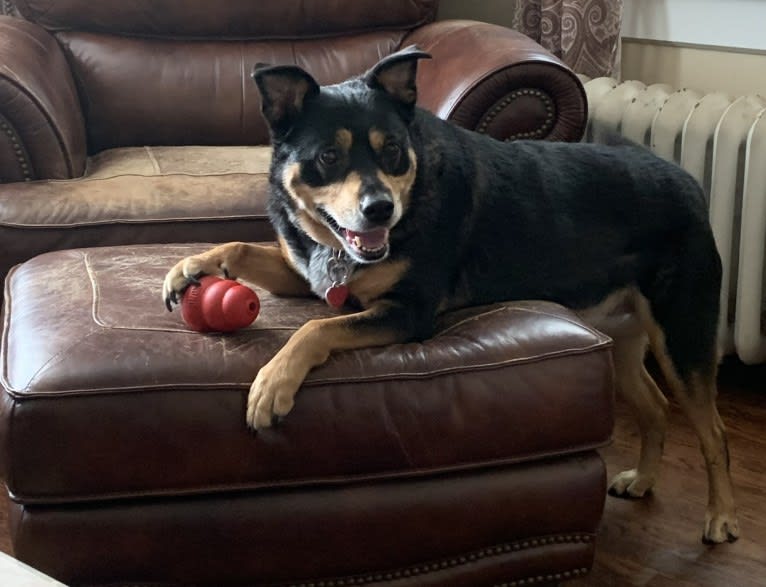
column 270, row 397
column 186, row 272
column 720, row 527
column 630, row 484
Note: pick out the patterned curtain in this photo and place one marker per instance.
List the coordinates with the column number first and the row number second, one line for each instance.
column 584, row 34
column 7, row 8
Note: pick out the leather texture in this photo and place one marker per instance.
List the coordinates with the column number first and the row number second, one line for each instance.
column 41, row 125
column 465, row 460
column 485, row 391
column 196, row 92
column 232, row 19
column 531, row 524
column 140, row 195
column 531, row 95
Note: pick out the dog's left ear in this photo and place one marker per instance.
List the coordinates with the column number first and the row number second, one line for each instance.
column 284, row 92
column 396, row 74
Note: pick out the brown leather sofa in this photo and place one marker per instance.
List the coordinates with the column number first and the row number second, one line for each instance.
column 137, row 122
column 467, row 460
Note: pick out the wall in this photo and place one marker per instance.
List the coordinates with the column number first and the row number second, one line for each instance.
column 706, row 45
column 705, row 69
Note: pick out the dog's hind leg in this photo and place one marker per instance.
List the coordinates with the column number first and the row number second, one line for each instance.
column 650, row 406
column 681, row 319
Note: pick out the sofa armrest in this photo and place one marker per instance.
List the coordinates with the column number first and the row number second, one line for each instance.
column 498, row 81
column 42, row 133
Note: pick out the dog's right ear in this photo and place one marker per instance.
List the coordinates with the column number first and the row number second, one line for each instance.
column 284, row 91
column 396, row 75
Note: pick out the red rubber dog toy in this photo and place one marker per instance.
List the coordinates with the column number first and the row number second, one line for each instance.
column 219, row 305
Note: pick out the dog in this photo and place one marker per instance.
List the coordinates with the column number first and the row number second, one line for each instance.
column 381, row 206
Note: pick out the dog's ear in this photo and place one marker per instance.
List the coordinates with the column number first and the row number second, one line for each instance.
column 284, row 92
column 396, row 74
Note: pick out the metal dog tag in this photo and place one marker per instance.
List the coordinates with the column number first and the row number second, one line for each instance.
column 338, row 271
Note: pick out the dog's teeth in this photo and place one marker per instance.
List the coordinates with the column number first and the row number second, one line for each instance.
column 358, row 243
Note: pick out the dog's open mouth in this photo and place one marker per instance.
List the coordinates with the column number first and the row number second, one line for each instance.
column 371, row 245
column 368, row 246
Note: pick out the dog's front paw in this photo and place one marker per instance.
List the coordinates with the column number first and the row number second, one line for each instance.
column 187, row 272
column 720, row 527
column 630, row 484
column 271, row 396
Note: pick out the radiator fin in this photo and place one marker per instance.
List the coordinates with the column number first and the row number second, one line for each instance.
column 721, row 141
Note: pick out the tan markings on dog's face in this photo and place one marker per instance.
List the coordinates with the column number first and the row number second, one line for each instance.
column 340, row 199
column 344, row 139
column 400, row 186
column 377, row 139
column 372, row 282
column 316, row 230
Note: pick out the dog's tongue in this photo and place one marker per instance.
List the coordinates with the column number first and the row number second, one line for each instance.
column 373, row 239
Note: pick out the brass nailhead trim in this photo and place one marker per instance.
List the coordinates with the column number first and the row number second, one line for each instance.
column 505, row 102
column 544, row 578
column 16, row 143
column 420, row 569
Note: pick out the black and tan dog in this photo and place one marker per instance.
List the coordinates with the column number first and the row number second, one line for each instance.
column 374, row 198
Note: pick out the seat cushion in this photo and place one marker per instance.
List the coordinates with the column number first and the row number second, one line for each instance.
column 107, row 395
column 140, row 195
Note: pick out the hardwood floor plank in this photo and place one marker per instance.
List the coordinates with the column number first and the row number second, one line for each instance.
column 655, row 542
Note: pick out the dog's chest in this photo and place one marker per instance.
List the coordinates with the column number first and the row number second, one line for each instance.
column 365, row 283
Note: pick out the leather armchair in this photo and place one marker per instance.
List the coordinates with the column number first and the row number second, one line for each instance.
column 137, row 122
column 453, row 462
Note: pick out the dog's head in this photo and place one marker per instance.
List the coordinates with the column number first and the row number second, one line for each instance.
column 343, row 153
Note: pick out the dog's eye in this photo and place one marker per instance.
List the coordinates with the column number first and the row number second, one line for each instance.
column 328, row 157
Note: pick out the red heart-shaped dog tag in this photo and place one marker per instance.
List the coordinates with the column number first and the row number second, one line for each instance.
column 336, row 295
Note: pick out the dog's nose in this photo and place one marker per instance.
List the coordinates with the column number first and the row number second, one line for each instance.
column 377, row 208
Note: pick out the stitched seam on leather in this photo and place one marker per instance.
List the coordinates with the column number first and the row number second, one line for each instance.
column 597, row 333
column 459, row 369
column 77, row 181
column 55, row 358
column 10, row 419
column 94, row 290
column 57, row 133
column 584, row 325
column 114, row 221
column 6, row 327
column 567, row 452
column 26, row 394
column 152, row 160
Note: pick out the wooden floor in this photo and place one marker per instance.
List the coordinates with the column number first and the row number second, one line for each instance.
column 656, row 541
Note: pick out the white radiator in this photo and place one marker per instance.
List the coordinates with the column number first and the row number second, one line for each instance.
column 721, row 141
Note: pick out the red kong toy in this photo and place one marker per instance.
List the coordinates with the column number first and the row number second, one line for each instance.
column 219, row 305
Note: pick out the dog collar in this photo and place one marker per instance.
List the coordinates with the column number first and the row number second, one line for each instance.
column 338, row 270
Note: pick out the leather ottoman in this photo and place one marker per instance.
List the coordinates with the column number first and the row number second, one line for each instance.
column 465, row 460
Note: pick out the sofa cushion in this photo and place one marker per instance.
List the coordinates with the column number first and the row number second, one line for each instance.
column 107, row 395
column 197, row 92
column 140, row 195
